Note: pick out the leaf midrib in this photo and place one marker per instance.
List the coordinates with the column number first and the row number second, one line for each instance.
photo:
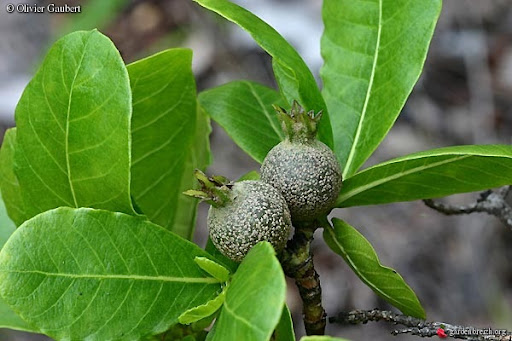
column 67, row 121
column 351, row 154
column 244, row 321
column 357, row 190
column 278, row 131
column 206, row 280
column 356, row 269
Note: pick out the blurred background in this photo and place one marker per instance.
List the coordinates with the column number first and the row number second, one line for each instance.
column 460, row 267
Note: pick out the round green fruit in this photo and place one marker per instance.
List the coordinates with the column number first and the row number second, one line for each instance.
column 255, row 212
column 303, row 169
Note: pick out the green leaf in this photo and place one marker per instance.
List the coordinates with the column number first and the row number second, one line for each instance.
column 430, row 174
column 255, row 299
column 82, row 274
column 191, row 332
column 292, row 74
column 359, row 254
column 213, row 269
column 199, row 158
column 8, row 319
column 220, row 258
column 9, row 182
column 163, row 127
column 211, row 333
column 7, row 226
column 198, row 313
column 284, row 330
column 244, row 109
column 374, row 52
column 321, row 338
column 73, row 128
column 252, row 175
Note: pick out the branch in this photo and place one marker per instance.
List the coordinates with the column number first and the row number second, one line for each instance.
column 297, row 261
column 490, row 202
column 420, row 327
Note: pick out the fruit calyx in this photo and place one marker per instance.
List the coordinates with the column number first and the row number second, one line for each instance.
column 214, row 189
column 299, row 126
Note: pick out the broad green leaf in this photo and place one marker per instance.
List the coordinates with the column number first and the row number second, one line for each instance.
column 73, row 128
column 321, row 338
column 163, row 127
column 199, row 158
column 213, row 269
column 374, row 52
column 284, row 330
column 84, row 274
column 255, row 298
column 8, row 319
column 244, row 110
column 359, row 254
column 198, row 313
column 292, row 74
column 220, row 258
column 7, row 226
column 430, row 174
column 285, row 77
column 9, row 182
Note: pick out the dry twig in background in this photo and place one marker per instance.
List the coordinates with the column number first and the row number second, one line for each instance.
column 420, row 327
column 490, row 202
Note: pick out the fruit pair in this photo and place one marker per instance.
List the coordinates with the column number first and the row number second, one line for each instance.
column 300, row 180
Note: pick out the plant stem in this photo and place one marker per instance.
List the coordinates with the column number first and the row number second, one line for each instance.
column 420, row 327
column 491, row 202
column 297, row 261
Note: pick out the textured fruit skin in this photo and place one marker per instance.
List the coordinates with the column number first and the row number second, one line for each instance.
column 257, row 212
column 307, row 175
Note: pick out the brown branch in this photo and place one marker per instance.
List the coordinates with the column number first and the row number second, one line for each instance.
column 490, row 202
column 420, row 327
column 297, row 261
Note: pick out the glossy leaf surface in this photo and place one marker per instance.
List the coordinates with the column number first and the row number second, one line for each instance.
column 255, row 298
column 295, row 80
column 9, row 182
column 73, row 128
column 284, row 330
column 359, row 254
column 430, row 174
column 200, row 312
column 374, row 52
column 8, row 319
column 84, row 274
column 244, row 110
column 163, row 128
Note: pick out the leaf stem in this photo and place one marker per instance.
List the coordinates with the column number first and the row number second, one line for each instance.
column 297, row 262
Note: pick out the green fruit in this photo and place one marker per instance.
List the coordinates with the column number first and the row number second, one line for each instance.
column 257, row 212
column 303, row 169
column 243, row 214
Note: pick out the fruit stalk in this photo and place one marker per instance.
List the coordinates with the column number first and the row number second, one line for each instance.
column 297, row 262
